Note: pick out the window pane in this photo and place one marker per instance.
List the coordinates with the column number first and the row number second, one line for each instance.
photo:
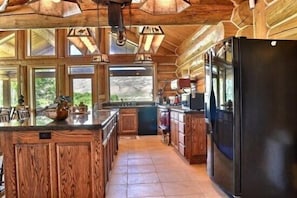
column 41, row 42
column 81, row 45
column 8, row 87
column 128, row 48
column 1, row 93
column 45, row 87
column 7, row 44
column 82, row 91
column 81, row 69
column 131, row 84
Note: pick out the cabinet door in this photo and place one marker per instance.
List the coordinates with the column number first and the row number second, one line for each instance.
column 128, row 121
column 74, row 169
column 32, row 170
column 198, row 146
column 65, row 164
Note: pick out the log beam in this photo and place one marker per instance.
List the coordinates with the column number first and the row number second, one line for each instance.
column 191, row 49
column 25, row 18
column 242, row 15
column 279, row 11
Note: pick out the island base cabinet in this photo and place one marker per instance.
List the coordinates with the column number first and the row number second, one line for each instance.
column 68, row 164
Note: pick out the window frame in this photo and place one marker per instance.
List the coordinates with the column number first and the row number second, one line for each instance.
column 154, row 80
column 28, row 45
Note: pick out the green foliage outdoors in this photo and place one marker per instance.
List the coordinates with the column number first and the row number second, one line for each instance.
column 86, row 98
column 45, row 90
column 114, row 98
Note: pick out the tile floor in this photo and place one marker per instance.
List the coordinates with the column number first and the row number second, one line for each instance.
column 145, row 167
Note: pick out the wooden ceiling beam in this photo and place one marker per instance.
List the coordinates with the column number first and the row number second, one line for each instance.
column 25, row 18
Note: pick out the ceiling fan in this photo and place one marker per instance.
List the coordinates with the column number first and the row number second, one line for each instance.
column 115, row 17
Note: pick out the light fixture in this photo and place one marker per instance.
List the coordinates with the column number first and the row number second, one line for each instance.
column 99, row 58
column 143, row 58
column 158, row 7
column 150, row 39
column 84, row 34
column 57, row 8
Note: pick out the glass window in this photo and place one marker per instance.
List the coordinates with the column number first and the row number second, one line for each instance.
column 128, row 48
column 45, row 87
column 7, row 44
column 81, row 83
column 8, row 87
column 82, row 90
column 82, row 45
column 81, row 69
column 42, row 42
column 131, row 83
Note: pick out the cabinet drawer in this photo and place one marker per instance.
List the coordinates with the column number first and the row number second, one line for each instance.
column 181, row 127
column 181, row 149
column 174, row 115
column 181, row 117
column 181, row 138
column 128, row 110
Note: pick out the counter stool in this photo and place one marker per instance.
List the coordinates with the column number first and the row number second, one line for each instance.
column 166, row 139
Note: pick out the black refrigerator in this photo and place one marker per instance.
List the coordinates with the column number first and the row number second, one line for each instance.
column 251, row 115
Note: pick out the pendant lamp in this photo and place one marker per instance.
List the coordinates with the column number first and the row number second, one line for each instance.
column 159, row 7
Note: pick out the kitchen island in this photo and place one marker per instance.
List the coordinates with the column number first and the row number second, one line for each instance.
column 71, row 158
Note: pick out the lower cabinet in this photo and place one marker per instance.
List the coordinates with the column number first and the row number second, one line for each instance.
column 128, row 121
column 174, row 129
column 59, row 163
column 188, row 135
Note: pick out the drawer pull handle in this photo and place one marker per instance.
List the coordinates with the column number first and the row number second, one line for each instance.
column 45, row 135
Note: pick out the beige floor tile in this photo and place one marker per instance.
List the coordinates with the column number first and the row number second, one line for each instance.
column 146, row 168
column 120, row 169
column 181, row 188
column 141, row 169
column 175, row 176
column 145, row 190
column 118, row 178
column 143, row 178
column 140, row 161
column 117, row 191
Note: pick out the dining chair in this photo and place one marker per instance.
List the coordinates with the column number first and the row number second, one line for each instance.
column 23, row 114
column 4, row 117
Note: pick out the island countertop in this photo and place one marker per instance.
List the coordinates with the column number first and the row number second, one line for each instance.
column 91, row 120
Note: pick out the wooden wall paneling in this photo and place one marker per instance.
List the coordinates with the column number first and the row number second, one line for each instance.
column 279, row 11
column 284, row 30
column 61, row 74
column 24, row 83
column 260, row 26
column 61, row 43
column 20, row 44
column 242, row 15
column 247, row 31
column 205, row 38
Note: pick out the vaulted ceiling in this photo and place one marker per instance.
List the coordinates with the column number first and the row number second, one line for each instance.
column 177, row 27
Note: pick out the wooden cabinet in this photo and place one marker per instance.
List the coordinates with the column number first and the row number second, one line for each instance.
column 59, row 163
column 174, row 129
column 63, row 164
column 189, row 133
column 128, row 121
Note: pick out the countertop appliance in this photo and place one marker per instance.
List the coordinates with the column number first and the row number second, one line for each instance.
column 251, row 105
column 193, row 101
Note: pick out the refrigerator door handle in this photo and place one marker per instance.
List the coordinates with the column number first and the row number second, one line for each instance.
column 212, row 110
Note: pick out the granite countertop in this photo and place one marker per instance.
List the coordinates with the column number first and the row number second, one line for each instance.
column 90, row 120
column 179, row 108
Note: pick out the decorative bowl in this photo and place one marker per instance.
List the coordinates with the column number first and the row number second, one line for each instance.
column 56, row 114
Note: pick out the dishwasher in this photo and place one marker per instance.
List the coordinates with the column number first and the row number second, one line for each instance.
column 147, row 120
